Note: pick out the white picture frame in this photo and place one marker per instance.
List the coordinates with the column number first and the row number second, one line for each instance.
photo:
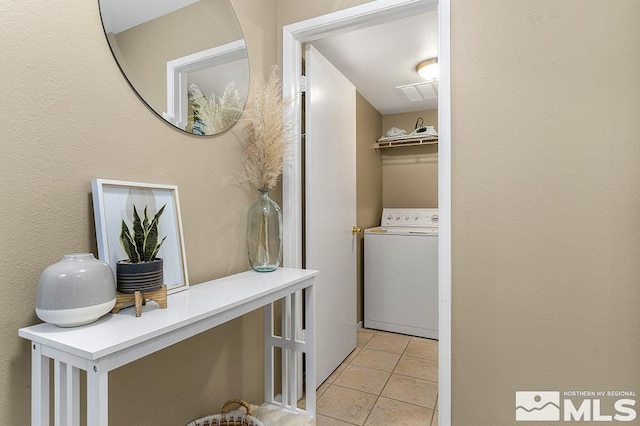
column 113, row 202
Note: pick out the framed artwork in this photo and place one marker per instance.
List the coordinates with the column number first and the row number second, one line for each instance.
column 113, row 202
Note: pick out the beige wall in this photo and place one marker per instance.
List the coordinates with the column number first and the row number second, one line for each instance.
column 291, row 11
column 544, row 152
column 368, row 180
column 410, row 174
column 546, row 184
column 69, row 116
column 407, row 120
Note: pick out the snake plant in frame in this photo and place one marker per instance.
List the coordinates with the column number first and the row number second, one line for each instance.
column 143, row 245
column 143, row 270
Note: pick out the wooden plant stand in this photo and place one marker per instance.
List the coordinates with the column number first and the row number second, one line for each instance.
column 138, row 298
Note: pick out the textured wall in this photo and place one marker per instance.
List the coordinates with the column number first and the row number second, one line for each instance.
column 407, row 120
column 290, row 11
column 545, row 151
column 546, row 201
column 69, row 116
column 410, row 174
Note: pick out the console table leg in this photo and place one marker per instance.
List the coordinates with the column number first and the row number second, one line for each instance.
column 269, row 374
column 294, row 373
column 66, row 394
column 285, row 351
column 39, row 386
column 73, row 395
column 310, row 341
column 97, row 395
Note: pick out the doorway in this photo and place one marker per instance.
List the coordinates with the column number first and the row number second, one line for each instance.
column 342, row 21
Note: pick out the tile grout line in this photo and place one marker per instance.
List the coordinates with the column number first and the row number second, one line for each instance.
column 433, row 415
column 417, row 378
column 345, row 364
column 340, row 420
column 386, row 382
column 391, row 373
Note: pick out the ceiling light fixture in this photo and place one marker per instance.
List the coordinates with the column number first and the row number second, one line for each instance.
column 428, row 69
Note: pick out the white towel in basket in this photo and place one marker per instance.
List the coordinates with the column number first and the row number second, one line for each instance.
column 272, row 415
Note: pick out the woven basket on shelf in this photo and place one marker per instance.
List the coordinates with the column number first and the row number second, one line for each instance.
column 227, row 418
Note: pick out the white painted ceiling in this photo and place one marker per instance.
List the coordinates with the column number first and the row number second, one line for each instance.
column 380, row 58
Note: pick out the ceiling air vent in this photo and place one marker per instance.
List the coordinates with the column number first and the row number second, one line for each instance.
column 419, row 91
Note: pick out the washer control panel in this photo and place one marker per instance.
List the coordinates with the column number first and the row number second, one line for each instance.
column 423, row 218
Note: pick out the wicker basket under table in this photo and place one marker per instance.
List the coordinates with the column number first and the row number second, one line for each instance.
column 229, row 419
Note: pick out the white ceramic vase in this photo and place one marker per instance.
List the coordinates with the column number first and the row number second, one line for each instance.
column 77, row 290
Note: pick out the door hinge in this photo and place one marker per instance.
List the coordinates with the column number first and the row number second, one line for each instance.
column 303, row 83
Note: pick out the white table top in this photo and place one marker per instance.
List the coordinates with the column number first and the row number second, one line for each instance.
column 115, row 332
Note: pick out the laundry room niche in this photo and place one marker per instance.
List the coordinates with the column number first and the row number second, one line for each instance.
column 410, row 173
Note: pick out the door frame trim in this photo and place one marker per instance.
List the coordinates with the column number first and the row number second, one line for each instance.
column 293, row 36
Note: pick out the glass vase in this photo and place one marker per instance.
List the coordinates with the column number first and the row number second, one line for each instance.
column 264, row 234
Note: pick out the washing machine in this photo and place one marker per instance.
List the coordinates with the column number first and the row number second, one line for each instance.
column 401, row 273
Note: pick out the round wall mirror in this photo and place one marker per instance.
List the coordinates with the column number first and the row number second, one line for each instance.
column 186, row 59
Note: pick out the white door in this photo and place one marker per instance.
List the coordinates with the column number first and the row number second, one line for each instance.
column 330, row 191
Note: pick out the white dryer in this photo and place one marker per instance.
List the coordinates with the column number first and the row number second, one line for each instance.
column 401, row 273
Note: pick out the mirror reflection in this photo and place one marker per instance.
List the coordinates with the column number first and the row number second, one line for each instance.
column 186, row 59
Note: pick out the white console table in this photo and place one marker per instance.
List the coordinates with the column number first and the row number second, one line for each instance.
column 118, row 339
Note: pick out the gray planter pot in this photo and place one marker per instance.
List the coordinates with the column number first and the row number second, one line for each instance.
column 143, row 276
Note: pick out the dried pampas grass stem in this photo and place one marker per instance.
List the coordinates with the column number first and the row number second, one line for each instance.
column 213, row 114
column 268, row 134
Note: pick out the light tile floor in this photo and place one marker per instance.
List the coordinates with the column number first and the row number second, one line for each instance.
column 389, row 379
